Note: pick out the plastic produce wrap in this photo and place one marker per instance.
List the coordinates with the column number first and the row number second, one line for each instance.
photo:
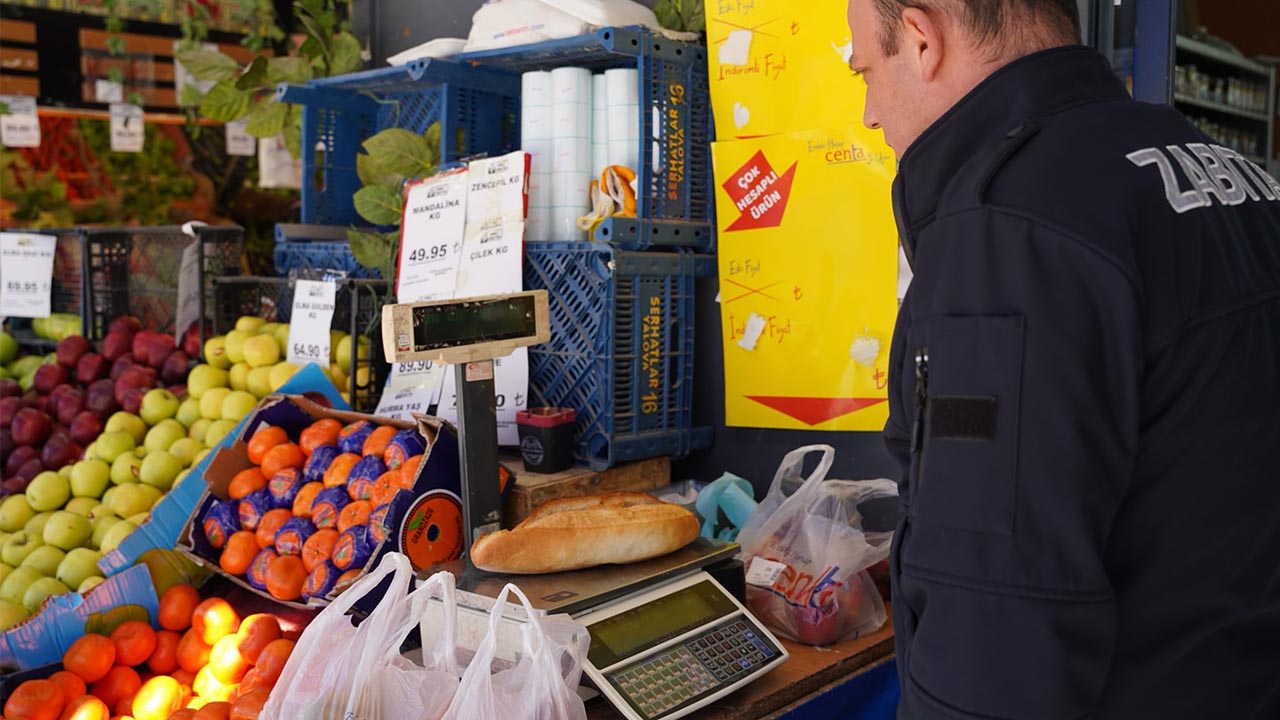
column 353, row 549
column 221, row 521
column 360, row 481
column 330, row 501
column 403, row 446
column 319, row 461
column 284, row 487
column 351, row 438
column 292, row 535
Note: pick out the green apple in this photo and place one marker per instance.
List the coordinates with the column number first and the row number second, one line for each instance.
column 5, row 569
column 111, row 445
column 90, row 583
column 45, row 560
column 218, row 430
column 39, row 591
column 90, row 451
column 249, row 324
column 140, row 452
column 102, row 511
column 199, row 429
column 90, row 478
column 235, row 345
column 11, row 614
column 335, row 337
column 139, row 519
column 67, row 530
column 211, row 402
column 15, row 511
column 260, row 382
column 48, row 491
column 188, row 412
column 133, row 498
column 204, row 378
column 125, row 470
column 164, row 435
column 4, row 537
column 100, row 528
column 158, row 404
column 8, row 348
column 200, row 456
column 17, row 548
column 186, row 449
column 344, row 355
column 36, row 524
column 239, row 376
column 281, row 373
column 282, row 338
column 160, row 469
column 17, row 583
column 261, row 351
column 181, row 476
column 81, row 505
column 268, row 328
column 65, row 471
column 127, row 422
column 115, row 536
column 79, row 565
column 215, row 352
column 237, row 405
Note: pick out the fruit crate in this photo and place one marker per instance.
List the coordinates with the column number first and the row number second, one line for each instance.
column 478, row 111
column 135, row 271
column 317, row 247
column 66, row 291
column 675, row 196
column 357, row 311
column 621, row 348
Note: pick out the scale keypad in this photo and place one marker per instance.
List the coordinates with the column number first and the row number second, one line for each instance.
column 717, row 658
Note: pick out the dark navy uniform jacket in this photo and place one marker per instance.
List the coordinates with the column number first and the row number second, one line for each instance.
column 1085, row 403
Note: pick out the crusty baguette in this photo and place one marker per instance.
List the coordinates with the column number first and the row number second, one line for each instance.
column 582, row 532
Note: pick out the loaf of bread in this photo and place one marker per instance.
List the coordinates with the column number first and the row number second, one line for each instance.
column 583, row 532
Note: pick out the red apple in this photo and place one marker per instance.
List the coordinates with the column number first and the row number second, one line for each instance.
column 49, row 377
column 9, row 407
column 30, row 427
column 120, row 365
column 174, row 368
column 68, row 405
column 140, row 341
column 101, row 399
column 133, row 378
column 117, row 345
column 71, row 348
column 86, row 427
column 16, row 459
column 7, row 445
column 9, row 388
column 158, row 349
column 59, row 451
column 30, row 469
column 90, row 367
column 14, row 485
column 132, row 401
column 179, row 391
column 42, row 404
column 125, row 323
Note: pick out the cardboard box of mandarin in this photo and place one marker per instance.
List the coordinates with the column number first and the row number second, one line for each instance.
column 424, row 523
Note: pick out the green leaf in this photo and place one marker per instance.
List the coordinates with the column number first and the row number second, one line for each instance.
column 208, row 64
column 401, row 152
column 115, row 45
column 311, row 49
column 317, row 33
column 225, row 103
column 267, row 119
column 372, row 172
column 379, row 205
column 4, row 108
column 668, row 12
column 288, row 69
column 116, row 75
column 191, row 96
column 696, row 20
column 346, row 54
column 255, row 77
column 370, row 249
column 293, row 131
column 682, row 15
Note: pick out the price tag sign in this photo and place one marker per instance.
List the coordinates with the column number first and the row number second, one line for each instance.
column 403, row 403
column 313, row 304
column 435, row 217
column 511, row 388
column 107, row 91
column 764, row 573
column 239, row 142
column 21, row 127
column 127, row 128
column 188, row 288
column 26, row 274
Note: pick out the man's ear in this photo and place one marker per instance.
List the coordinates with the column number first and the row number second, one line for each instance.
column 922, row 41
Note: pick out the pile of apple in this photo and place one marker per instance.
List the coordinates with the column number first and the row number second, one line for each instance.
column 57, row 326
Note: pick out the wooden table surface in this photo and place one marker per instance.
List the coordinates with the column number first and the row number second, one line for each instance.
column 808, row 671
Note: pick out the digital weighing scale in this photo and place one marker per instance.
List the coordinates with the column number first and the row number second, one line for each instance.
column 666, row 637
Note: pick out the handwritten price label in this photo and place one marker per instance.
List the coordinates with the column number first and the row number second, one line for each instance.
column 21, row 127
column 435, row 215
column 313, row 304
column 26, row 274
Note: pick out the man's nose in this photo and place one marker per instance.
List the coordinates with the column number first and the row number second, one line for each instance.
column 869, row 118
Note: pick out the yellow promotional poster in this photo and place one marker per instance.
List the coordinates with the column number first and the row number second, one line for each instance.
column 780, row 65
column 808, row 276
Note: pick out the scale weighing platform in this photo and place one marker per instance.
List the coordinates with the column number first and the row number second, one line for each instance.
column 667, row 638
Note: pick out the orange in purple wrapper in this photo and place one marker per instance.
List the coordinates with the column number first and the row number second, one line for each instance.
column 329, row 502
column 363, row 474
column 220, row 522
column 319, row 461
column 378, row 530
column 284, row 487
column 320, row 581
column 291, row 536
column 252, row 507
column 351, row 438
column 403, row 446
column 257, row 574
column 353, row 548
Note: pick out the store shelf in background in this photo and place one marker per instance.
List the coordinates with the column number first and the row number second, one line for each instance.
column 621, row 348
column 675, row 188
column 1220, row 107
column 316, row 247
column 478, row 111
column 357, row 312
column 1219, row 55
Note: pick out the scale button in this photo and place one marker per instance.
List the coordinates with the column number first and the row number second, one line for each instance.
column 744, row 663
column 750, row 635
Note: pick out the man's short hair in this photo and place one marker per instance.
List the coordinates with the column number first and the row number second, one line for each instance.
column 987, row 21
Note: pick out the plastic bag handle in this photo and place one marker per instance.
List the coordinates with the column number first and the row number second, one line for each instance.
column 793, row 464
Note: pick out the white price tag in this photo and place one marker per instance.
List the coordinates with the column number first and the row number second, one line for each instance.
column 106, row 91
column 510, row 394
column 403, row 403
column 435, row 218
column 764, row 573
column 313, row 303
column 188, row 288
column 239, row 142
column 498, row 188
column 127, row 128
column 26, row 274
column 415, row 374
column 21, row 127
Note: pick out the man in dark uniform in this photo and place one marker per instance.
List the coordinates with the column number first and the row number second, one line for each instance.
column 1085, row 397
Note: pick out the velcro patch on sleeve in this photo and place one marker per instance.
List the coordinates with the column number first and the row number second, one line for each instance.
column 962, row 418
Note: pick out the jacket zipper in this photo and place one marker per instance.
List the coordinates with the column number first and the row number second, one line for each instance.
column 922, row 406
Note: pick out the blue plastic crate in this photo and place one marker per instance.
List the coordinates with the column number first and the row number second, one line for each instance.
column 478, row 111
column 675, row 204
column 317, row 247
column 621, row 348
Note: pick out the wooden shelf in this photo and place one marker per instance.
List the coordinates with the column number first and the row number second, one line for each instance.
column 1224, row 57
column 151, row 117
column 1221, row 108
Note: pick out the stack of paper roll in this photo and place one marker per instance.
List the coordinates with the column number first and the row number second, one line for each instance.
column 599, row 125
column 536, row 138
column 623, row 117
column 571, row 151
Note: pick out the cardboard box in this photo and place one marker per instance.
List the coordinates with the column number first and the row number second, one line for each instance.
column 169, row 517
column 43, row 638
column 421, row 520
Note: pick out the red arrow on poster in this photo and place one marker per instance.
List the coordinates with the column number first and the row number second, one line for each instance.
column 760, row 194
column 815, row 411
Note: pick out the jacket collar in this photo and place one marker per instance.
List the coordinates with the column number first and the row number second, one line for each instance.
column 999, row 107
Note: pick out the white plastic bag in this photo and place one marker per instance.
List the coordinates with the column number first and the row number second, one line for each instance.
column 543, row 683
column 503, row 23
column 806, row 553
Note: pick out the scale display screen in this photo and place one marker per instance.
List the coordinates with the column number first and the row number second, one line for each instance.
column 440, row 327
column 652, row 624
